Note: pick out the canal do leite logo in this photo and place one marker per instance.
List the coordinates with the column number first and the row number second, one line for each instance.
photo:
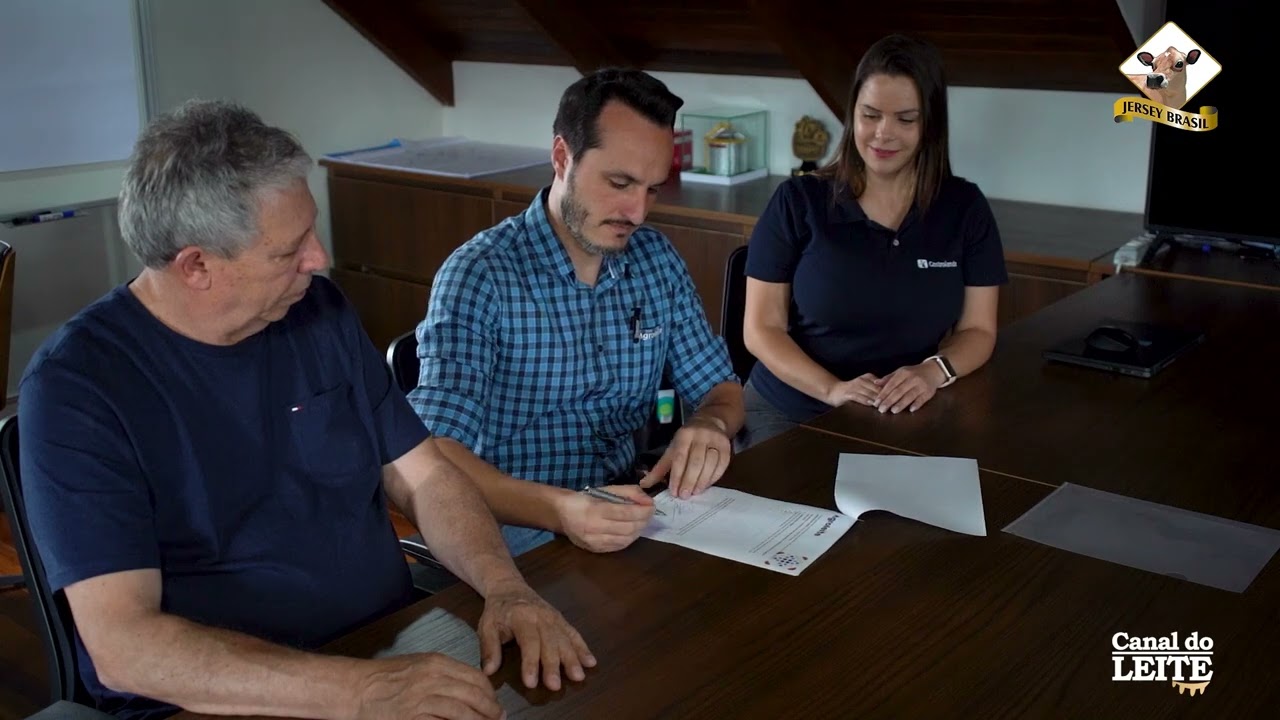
column 1169, row 69
column 1186, row 662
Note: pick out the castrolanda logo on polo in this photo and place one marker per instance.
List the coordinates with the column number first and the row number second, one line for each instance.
column 1188, row 663
column 926, row 264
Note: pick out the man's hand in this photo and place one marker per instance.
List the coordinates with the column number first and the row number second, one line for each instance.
column 696, row 458
column 908, row 387
column 544, row 636
column 426, row 686
column 863, row 390
column 601, row 526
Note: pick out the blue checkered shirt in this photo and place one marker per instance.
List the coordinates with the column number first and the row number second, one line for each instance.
column 546, row 378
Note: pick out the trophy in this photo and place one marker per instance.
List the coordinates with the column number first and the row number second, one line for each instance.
column 809, row 143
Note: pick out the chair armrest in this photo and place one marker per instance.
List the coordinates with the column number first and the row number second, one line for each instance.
column 431, row 576
column 415, row 547
column 66, row 710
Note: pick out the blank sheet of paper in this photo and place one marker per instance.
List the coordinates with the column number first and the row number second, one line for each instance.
column 1148, row 536
column 939, row 491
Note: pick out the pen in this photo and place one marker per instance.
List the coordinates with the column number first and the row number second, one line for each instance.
column 43, row 217
column 635, row 325
column 607, row 496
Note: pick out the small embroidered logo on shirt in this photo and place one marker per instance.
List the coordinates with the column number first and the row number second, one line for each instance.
column 648, row 333
column 926, row 264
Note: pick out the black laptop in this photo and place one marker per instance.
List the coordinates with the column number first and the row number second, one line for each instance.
column 1128, row 348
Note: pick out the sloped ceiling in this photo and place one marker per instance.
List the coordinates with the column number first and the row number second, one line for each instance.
column 1031, row 44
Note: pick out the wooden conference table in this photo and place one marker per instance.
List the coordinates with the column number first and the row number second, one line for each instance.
column 903, row 619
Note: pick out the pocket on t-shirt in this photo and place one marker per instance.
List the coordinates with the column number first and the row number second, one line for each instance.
column 329, row 435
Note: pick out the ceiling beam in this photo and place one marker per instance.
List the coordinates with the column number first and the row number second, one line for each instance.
column 569, row 28
column 797, row 27
column 398, row 38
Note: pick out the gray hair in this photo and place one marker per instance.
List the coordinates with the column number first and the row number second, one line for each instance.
column 196, row 177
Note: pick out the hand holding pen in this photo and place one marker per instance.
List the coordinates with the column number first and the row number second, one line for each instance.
column 604, row 519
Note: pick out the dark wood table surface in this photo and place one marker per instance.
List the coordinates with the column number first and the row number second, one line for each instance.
column 1216, row 266
column 1201, row 434
column 898, row 619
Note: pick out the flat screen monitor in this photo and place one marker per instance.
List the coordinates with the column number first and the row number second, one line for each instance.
column 1221, row 183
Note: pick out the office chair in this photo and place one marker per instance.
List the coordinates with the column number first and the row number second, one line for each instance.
column 732, row 312
column 53, row 615
column 402, row 358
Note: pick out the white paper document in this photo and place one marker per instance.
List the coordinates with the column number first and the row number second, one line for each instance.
column 939, row 491
column 449, row 156
column 775, row 535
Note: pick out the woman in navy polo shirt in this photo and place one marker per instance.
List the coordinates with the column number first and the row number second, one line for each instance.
column 874, row 280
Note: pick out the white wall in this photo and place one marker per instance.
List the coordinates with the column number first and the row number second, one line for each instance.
column 296, row 63
column 1060, row 148
column 293, row 61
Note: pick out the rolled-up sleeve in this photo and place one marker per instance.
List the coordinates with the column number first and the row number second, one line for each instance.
column 457, row 349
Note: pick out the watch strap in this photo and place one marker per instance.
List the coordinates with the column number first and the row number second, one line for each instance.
column 948, row 372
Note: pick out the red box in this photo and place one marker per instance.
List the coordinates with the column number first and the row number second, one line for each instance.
column 682, row 154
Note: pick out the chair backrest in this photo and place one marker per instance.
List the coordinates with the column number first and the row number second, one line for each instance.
column 733, row 310
column 402, row 358
column 53, row 615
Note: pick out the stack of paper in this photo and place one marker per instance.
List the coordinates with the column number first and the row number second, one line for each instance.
column 448, row 156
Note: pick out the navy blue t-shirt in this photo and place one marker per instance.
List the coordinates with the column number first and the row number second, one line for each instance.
column 249, row 475
column 863, row 297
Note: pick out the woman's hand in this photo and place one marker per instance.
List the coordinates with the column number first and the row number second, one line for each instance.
column 862, row 390
column 908, row 387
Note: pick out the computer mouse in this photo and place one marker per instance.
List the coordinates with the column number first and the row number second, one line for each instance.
column 1109, row 338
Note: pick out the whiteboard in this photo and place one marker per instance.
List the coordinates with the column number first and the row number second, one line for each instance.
column 69, row 90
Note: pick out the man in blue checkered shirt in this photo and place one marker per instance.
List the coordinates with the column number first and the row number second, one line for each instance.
column 547, row 336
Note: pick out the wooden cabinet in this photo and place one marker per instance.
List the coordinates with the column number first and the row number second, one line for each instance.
column 388, row 307
column 390, row 238
column 400, row 230
column 705, row 252
column 392, row 230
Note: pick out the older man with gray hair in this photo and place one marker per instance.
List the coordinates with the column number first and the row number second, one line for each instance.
column 208, row 451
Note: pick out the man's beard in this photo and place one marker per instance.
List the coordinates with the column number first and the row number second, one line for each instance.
column 574, row 215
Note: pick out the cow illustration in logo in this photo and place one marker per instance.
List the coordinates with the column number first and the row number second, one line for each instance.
column 1166, row 83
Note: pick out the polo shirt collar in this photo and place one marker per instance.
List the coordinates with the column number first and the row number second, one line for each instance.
column 548, row 251
column 847, row 211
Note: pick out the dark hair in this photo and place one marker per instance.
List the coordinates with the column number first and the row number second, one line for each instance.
column 899, row 56
column 581, row 104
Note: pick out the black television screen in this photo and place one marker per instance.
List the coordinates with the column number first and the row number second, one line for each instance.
column 1218, row 183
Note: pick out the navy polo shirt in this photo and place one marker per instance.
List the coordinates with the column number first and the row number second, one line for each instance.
column 864, row 298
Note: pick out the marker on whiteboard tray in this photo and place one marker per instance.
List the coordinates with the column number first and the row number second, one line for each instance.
column 46, row 216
